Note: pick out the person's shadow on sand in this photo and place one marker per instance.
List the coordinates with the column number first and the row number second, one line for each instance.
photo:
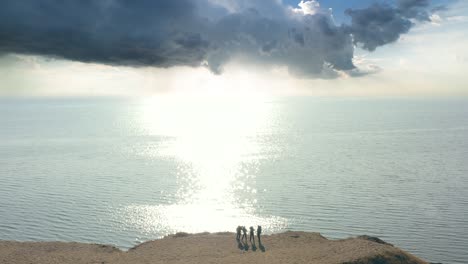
column 240, row 245
column 245, row 246
column 260, row 245
column 254, row 247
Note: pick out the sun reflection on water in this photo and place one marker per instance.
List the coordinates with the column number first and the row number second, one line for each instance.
column 213, row 138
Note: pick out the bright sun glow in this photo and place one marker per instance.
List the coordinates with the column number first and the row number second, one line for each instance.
column 212, row 137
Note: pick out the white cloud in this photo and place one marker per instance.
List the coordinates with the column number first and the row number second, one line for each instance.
column 308, row 7
column 436, row 19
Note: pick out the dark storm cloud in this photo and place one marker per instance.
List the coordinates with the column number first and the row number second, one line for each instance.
column 407, row 4
column 114, row 32
column 312, row 46
column 381, row 24
column 167, row 33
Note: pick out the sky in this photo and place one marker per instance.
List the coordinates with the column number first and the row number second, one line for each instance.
column 234, row 47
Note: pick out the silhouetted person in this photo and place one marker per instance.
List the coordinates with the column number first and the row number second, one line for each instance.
column 244, row 235
column 259, row 232
column 252, row 235
column 238, row 229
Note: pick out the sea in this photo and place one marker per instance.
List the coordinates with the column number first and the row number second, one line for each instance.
column 122, row 171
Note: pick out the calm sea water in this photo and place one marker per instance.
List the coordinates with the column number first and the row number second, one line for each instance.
column 125, row 171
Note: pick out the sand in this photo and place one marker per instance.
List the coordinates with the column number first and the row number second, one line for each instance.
column 288, row 247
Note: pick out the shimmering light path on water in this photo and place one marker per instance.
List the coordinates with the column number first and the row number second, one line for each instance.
column 122, row 172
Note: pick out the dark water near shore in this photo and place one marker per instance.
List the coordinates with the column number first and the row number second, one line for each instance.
column 125, row 171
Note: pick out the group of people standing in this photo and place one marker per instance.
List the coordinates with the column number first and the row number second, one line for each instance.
column 243, row 230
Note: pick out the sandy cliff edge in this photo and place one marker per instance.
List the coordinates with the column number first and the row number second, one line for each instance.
column 288, row 247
